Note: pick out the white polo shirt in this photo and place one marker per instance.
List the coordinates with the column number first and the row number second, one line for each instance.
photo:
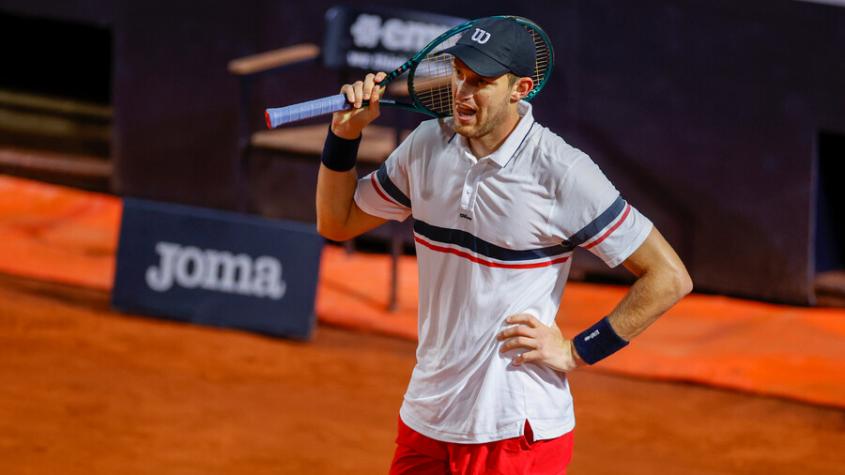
column 494, row 237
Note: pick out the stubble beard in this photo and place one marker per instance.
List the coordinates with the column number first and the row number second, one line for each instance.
column 483, row 127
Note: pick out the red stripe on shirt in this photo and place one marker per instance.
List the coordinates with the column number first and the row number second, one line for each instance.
column 612, row 228
column 381, row 193
column 449, row 250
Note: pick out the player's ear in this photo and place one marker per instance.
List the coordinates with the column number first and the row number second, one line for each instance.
column 526, row 85
column 521, row 87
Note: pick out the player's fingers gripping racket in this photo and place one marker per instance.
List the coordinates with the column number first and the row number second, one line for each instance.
column 429, row 77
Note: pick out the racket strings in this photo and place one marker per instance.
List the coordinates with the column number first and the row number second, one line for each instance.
column 541, row 58
column 433, row 79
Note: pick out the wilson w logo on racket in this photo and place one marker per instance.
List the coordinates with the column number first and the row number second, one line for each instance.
column 429, row 76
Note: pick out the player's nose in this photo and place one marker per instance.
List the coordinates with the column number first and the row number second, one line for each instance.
column 463, row 90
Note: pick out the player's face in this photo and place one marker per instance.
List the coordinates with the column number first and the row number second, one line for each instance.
column 480, row 103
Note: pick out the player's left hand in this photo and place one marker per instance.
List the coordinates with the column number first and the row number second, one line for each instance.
column 544, row 344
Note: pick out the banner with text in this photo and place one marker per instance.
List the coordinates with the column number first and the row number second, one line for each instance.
column 379, row 38
column 217, row 268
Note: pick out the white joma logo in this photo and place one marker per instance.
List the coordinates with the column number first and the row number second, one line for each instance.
column 480, row 36
column 592, row 335
column 222, row 271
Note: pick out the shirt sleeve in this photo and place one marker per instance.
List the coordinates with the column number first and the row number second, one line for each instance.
column 385, row 192
column 590, row 213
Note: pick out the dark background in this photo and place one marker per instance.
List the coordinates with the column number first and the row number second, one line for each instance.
column 723, row 121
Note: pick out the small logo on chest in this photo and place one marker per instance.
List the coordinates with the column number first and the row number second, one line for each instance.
column 465, row 216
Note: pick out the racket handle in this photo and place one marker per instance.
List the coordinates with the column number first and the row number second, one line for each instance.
column 305, row 110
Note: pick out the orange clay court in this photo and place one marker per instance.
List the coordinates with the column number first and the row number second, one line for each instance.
column 89, row 390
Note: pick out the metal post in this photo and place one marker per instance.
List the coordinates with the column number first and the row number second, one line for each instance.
column 395, row 252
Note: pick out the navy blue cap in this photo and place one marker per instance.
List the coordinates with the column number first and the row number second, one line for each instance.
column 495, row 46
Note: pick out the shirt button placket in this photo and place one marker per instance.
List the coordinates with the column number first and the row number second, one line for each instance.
column 470, row 190
column 466, row 195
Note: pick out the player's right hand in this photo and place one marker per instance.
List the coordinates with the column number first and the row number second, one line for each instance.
column 349, row 123
column 538, row 343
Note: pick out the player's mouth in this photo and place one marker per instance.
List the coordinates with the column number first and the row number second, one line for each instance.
column 464, row 113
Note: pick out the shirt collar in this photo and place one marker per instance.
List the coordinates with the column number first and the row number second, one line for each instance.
column 504, row 153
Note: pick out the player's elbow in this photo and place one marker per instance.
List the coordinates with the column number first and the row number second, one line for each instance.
column 333, row 235
column 672, row 282
column 681, row 282
column 332, row 230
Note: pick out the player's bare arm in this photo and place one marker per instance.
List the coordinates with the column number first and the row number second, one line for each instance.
column 662, row 280
column 338, row 217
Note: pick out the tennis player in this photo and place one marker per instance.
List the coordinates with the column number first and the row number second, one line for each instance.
column 499, row 204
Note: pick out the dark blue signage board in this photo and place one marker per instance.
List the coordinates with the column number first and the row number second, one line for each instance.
column 217, row 268
column 379, row 38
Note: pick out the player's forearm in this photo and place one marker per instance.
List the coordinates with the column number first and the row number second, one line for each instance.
column 335, row 191
column 336, row 182
column 654, row 292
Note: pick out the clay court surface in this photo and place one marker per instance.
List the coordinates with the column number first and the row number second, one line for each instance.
column 89, row 391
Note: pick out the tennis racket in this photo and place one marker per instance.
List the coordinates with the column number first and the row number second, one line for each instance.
column 429, row 77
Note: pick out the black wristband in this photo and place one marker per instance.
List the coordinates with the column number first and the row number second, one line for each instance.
column 598, row 342
column 339, row 154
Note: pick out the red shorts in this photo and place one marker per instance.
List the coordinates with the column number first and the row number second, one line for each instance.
column 419, row 455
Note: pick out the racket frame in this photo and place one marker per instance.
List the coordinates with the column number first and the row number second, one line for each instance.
column 411, row 64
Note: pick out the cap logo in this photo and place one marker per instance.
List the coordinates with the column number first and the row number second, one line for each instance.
column 480, row 36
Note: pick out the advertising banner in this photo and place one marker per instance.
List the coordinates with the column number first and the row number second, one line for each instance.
column 217, row 268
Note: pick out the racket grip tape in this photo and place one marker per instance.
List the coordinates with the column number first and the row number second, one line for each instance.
column 305, row 110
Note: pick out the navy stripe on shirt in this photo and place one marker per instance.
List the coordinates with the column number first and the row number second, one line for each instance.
column 591, row 230
column 390, row 188
column 480, row 246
